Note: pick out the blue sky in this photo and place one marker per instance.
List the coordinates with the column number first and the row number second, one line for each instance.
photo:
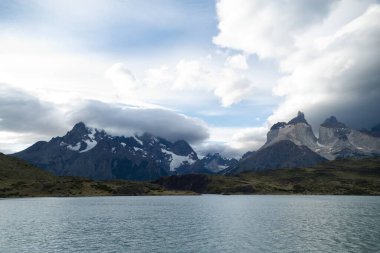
column 121, row 27
column 229, row 69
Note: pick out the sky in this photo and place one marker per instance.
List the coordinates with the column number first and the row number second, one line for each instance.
column 217, row 74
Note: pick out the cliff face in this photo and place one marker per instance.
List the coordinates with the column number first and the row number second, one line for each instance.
column 296, row 130
column 282, row 154
column 294, row 144
column 339, row 141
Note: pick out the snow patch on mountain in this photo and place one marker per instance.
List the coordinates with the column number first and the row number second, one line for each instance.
column 177, row 160
column 76, row 147
column 222, row 167
column 137, row 149
column 138, row 140
column 90, row 144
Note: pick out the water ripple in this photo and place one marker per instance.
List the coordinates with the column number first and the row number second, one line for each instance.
column 208, row 223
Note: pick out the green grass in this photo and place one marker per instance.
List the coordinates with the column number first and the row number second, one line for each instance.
column 345, row 177
column 20, row 179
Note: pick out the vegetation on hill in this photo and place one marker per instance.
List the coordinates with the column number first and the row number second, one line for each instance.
column 20, row 179
column 342, row 177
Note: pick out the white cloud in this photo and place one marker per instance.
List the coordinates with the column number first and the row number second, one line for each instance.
column 266, row 28
column 327, row 54
column 189, row 75
column 237, row 61
column 19, row 127
column 332, row 76
column 233, row 141
column 122, row 77
column 122, row 119
column 15, row 141
column 158, row 77
column 228, row 84
column 232, row 87
column 51, row 72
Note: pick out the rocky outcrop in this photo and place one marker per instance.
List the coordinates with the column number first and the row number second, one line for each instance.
column 296, row 130
column 282, row 154
column 294, row 144
column 339, row 141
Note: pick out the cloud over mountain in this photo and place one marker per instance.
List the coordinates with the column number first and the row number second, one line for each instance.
column 327, row 53
column 22, row 112
column 24, row 116
column 123, row 119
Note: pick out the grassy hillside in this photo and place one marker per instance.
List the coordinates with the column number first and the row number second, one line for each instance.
column 19, row 179
column 353, row 177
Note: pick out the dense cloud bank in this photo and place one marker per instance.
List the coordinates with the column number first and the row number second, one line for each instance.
column 22, row 113
column 327, row 53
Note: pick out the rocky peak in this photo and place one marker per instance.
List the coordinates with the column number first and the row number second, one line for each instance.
column 181, row 147
column 214, row 155
column 300, row 134
column 332, row 122
column 278, row 125
column 79, row 128
column 77, row 134
column 299, row 119
column 248, row 154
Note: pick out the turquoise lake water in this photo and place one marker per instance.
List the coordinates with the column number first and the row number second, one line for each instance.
column 208, row 223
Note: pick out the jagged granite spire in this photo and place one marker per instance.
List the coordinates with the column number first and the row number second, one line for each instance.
column 299, row 119
column 332, row 122
column 77, row 132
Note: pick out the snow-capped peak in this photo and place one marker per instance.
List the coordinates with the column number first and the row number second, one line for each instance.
column 177, row 160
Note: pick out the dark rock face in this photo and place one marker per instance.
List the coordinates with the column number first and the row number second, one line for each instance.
column 294, row 144
column 283, row 154
column 89, row 152
column 340, row 141
column 249, row 153
column 278, row 125
column 332, row 122
column 299, row 119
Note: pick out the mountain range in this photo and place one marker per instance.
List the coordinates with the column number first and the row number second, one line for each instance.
column 90, row 152
column 294, row 144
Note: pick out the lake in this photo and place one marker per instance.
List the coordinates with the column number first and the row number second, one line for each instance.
column 207, row 223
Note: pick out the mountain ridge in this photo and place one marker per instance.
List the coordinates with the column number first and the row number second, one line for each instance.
column 294, row 144
column 90, row 152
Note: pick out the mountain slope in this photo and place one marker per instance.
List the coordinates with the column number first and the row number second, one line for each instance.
column 213, row 163
column 341, row 177
column 294, row 144
column 296, row 130
column 89, row 152
column 338, row 141
column 20, row 179
column 282, row 154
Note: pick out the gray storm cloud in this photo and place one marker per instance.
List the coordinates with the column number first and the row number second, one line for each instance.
column 33, row 119
column 328, row 57
column 22, row 112
column 121, row 119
